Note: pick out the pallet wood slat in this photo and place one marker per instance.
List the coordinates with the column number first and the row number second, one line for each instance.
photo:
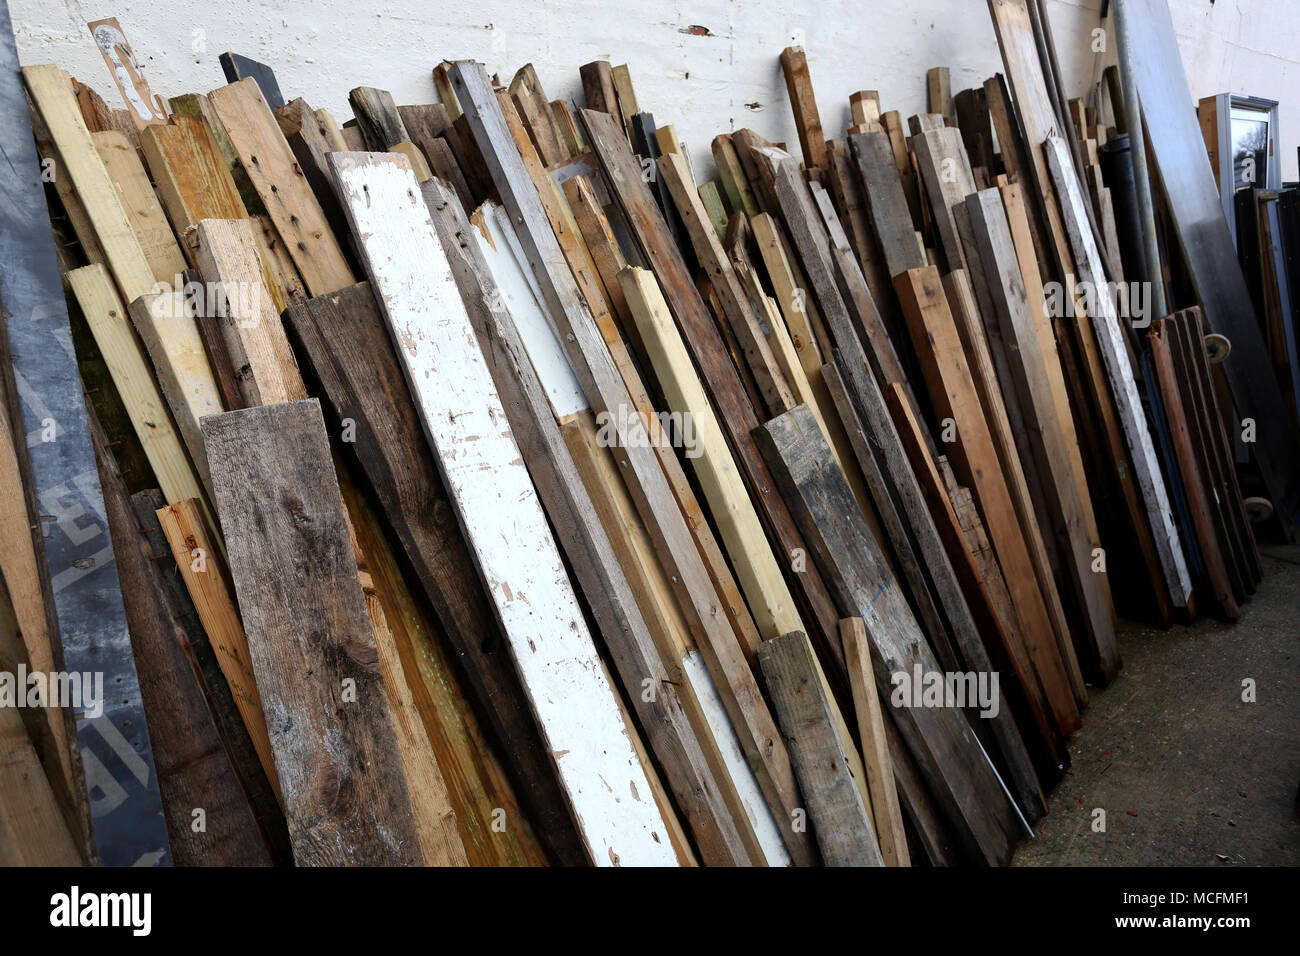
column 321, row 688
column 293, row 207
column 825, row 759
column 876, row 762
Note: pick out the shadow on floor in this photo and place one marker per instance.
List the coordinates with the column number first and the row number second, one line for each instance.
column 1186, row 771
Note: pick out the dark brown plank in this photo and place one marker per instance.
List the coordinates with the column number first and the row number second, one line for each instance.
column 309, row 636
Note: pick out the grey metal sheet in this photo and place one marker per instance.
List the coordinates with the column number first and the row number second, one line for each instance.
column 121, row 783
column 1184, row 165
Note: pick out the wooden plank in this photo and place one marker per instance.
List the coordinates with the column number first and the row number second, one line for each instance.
column 627, row 104
column 280, row 182
column 796, row 206
column 877, row 765
column 73, row 211
column 237, row 67
column 150, row 418
column 25, row 605
column 728, row 394
column 848, row 276
column 829, row 768
column 206, row 576
column 309, row 139
column 1120, row 373
column 170, row 334
column 321, row 687
column 146, row 108
column 864, row 107
column 1228, row 490
column 562, row 120
column 689, row 676
column 797, row 307
column 1033, row 107
column 263, row 362
column 446, row 95
column 377, row 117
column 760, row 578
column 744, row 323
column 938, row 737
column 953, row 392
column 985, row 589
column 541, row 392
column 192, row 180
column 886, row 201
column 598, row 86
column 33, row 831
column 51, row 91
column 1162, row 85
column 938, row 91
column 714, row 207
column 897, row 138
column 333, row 134
column 798, row 84
column 194, row 769
column 1047, row 442
column 844, row 188
column 198, row 105
column 1225, row 502
column 1198, row 498
column 347, row 346
column 732, row 176
column 607, row 392
column 532, row 598
column 434, row 816
column 141, row 205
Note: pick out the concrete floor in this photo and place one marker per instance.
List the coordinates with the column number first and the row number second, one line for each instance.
column 1188, row 773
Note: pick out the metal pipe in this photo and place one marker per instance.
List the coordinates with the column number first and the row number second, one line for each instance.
column 1138, row 151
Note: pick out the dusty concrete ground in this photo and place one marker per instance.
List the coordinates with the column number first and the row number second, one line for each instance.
column 1187, row 772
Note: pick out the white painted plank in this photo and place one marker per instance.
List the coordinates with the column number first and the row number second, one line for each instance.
column 549, row 359
column 498, row 510
column 756, row 807
column 1120, row 371
column 523, row 301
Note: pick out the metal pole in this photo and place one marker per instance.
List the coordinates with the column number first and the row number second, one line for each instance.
column 1138, row 151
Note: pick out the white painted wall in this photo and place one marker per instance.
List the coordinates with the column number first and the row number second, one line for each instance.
column 704, row 84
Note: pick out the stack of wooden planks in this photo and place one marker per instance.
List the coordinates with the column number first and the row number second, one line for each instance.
column 478, row 498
